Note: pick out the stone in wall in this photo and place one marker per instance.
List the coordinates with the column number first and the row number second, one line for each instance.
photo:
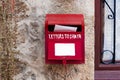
column 30, row 40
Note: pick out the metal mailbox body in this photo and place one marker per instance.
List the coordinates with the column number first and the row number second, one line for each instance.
column 51, row 38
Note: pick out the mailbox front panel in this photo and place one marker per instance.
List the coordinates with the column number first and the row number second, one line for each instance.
column 64, row 38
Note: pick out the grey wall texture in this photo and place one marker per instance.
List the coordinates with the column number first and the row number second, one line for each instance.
column 30, row 40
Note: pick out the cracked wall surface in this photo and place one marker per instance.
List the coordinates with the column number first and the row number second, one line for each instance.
column 30, row 19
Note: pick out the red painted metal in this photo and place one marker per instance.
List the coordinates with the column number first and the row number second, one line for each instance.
column 70, row 20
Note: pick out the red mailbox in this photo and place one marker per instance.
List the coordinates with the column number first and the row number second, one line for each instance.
column 64, row 39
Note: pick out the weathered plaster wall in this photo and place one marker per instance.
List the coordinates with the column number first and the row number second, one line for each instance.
column 30, row 40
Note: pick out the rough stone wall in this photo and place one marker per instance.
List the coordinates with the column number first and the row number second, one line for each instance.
column 30, row 40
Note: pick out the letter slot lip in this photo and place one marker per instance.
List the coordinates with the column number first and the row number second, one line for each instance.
column 53, row 37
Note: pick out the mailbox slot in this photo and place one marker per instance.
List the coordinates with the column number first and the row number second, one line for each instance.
column 51, row 27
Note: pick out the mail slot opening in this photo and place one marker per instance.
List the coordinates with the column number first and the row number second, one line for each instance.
column 65, row 28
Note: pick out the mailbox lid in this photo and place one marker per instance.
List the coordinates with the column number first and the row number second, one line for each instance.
column 70, row 19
